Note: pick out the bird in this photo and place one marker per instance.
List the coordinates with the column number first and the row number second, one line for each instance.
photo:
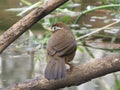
column 60, row 50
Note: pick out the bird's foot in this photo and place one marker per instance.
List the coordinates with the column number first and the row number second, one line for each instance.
column 71, row 66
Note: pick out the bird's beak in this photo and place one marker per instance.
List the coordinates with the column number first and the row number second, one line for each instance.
column 49, row 29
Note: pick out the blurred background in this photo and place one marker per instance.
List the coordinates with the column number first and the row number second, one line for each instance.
column 26, row 57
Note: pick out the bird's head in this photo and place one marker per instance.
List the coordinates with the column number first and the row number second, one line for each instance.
column 59, row 26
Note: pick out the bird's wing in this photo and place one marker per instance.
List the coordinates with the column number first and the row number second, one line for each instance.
column 61, row 45
column 66, row 50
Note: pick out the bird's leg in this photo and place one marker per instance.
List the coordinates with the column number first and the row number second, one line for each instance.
column 70, row 67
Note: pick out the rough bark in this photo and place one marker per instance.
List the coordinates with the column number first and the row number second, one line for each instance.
column 80, row 74
column 26, row 22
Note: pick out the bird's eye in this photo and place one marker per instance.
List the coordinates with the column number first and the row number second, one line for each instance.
column 56, row 28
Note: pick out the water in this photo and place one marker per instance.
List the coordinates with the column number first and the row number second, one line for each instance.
column 18, row 62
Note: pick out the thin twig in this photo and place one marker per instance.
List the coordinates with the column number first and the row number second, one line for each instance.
column 95, row 8
column 100, row 29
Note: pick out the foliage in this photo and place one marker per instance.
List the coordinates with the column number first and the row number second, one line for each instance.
column 69, row 8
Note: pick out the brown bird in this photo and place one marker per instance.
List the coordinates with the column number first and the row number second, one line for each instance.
column 61, row 49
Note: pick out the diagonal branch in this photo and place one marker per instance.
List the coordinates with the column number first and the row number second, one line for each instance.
column 79, row 75
column 26, row 22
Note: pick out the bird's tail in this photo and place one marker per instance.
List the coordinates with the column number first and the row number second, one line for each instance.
column 55, row 69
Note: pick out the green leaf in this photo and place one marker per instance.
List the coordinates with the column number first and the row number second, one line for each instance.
column 89, row 52
column 80, row 49
column 26, row 2
column 117, row 82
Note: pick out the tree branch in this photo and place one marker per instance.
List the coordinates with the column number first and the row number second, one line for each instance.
column 79, row 75
column 26, row 22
